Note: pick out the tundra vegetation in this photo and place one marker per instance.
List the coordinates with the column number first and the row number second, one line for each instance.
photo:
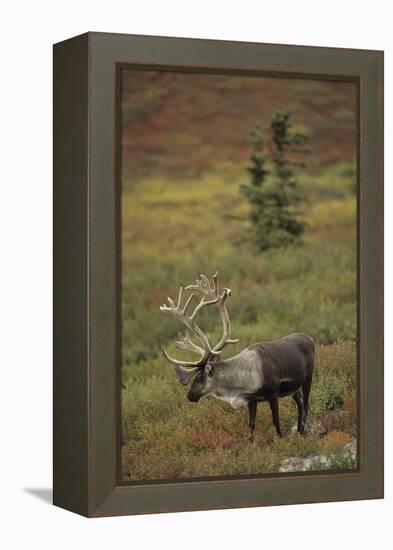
column 178, row 223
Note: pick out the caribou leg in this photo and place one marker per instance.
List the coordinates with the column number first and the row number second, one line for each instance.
column 306, row 393
column 273, row 402
column 301, row 411
column 252, row 412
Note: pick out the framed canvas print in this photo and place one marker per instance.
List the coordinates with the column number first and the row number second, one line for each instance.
column 218, row 261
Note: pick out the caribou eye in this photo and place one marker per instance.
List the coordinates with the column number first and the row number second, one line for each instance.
column 208, row 369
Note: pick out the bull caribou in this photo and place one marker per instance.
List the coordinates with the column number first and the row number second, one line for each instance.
column 265, row 371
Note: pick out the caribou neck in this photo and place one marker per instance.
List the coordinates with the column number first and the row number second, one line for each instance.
column 236, row 378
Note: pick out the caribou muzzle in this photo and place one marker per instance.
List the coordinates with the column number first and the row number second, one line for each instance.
column 193, row 397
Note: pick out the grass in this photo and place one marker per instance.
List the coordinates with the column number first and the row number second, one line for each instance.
column 174, row 230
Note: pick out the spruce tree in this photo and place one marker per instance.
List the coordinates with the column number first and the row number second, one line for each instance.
column 273, row 190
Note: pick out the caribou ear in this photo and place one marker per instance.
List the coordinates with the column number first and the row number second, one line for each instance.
column 184, row 375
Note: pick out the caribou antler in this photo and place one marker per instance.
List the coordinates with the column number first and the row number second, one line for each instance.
column 180, row 311
column 203, row 287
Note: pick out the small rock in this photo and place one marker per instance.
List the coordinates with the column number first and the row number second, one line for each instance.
column 315, row 462
column 351, row 448
column 292, row 464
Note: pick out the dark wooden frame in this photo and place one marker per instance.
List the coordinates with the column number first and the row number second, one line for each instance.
column 86, row 272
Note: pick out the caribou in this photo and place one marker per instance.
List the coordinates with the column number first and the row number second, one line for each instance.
column 264, row 371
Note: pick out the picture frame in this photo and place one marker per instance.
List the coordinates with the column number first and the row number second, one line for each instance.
column 87, row 383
